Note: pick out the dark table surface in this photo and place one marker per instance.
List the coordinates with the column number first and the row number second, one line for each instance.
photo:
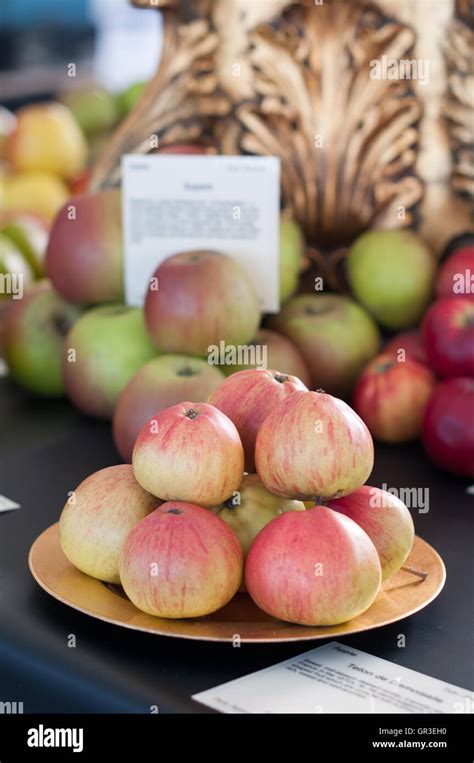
column 46, row 449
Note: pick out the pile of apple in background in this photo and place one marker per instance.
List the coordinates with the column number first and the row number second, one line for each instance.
column 183, row 529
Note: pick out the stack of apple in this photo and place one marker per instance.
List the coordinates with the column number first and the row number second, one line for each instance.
column 215, row 496
column 398, row 395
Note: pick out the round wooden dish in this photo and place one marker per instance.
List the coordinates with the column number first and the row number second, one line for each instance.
column 402, row 595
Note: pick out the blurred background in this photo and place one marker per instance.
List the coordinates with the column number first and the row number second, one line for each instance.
column 38, row 38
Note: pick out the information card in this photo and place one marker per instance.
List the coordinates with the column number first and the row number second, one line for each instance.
column 179, row 203
column 335, row 678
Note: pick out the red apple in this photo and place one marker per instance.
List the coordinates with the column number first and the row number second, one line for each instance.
column 456, row 274
column 448, row 332
column 190, row 452
column 247, row 398
column 391, row 396
column 385, row 519
column 448, row 426
column 181, row 561
column 313, row 446
column 164, row 381
column 275, row 351
column 197, row 300
column 97, row 518
column 408, row 345
column 314, row 567
column 84, row 255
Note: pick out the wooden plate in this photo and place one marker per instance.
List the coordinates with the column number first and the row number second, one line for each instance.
column 401, row 595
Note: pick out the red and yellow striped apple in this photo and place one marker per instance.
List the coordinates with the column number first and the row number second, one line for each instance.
column 315, row 567
column 248, row 397
column 181, row 561
column 161, row 383
column 84, row 257
column 189, row 452
column 197, row 300
column 313, row 446
column 385, row 519
column 276, row 351
column 97, row 518
column 391, row 397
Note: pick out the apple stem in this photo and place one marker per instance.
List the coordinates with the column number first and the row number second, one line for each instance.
column 418, row 573
column 191, row 414
column 318, row 501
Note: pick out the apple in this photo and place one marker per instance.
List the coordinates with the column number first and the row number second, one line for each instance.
column 391, row 273
column 292, row 252
column 36, row 193
column 189, row 452
column 98, row 517
column 197, row 300
column 251, row 508
column 15, row 272
column 408, row 345
column 33, row 338
column 84, row 258
column 317, row 567
column 391, row 396
column 46, row 138
column 268, row 349
column 161, row 383
column 335, row 336
column 385, row 519
column 313, row 446
column 181, row 561
column 102, row 352
column 94, row 109
column 128, row 98
column 456, row 274
column 448, row 332
column 30, row 234
column 448, row 431
column 248, row 397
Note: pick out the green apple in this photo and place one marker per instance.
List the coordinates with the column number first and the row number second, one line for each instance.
column 292, row 250
column 127, row 99
column 15, row 272
column 94, row 108
column 335, row 335
column 30, row 235
column 251, row 508
column 391, row 272
column 104, row 349
column 33, row 337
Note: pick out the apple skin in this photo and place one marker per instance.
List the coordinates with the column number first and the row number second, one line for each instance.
column 196, row 557
column 391, row 397
column 281, row 572
column 161, row 383
column 46, row 138
column 385, row 519
column 448, row 431
column 335, row 336
column 190, row 452
column 391, row 273
column 93, row 527
column 203, row 298
column 13, row 263
column 33, row 338
column 313, row 446
column 110, row 344
column 292, row 251
column 93, row 108
column 254, row 507
column 30, row 234
column 248, row 397
column 281, row 353
column 37, row 193
column 456, row 275
column 84, row 257
column 411, row 342
column 448, row 333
